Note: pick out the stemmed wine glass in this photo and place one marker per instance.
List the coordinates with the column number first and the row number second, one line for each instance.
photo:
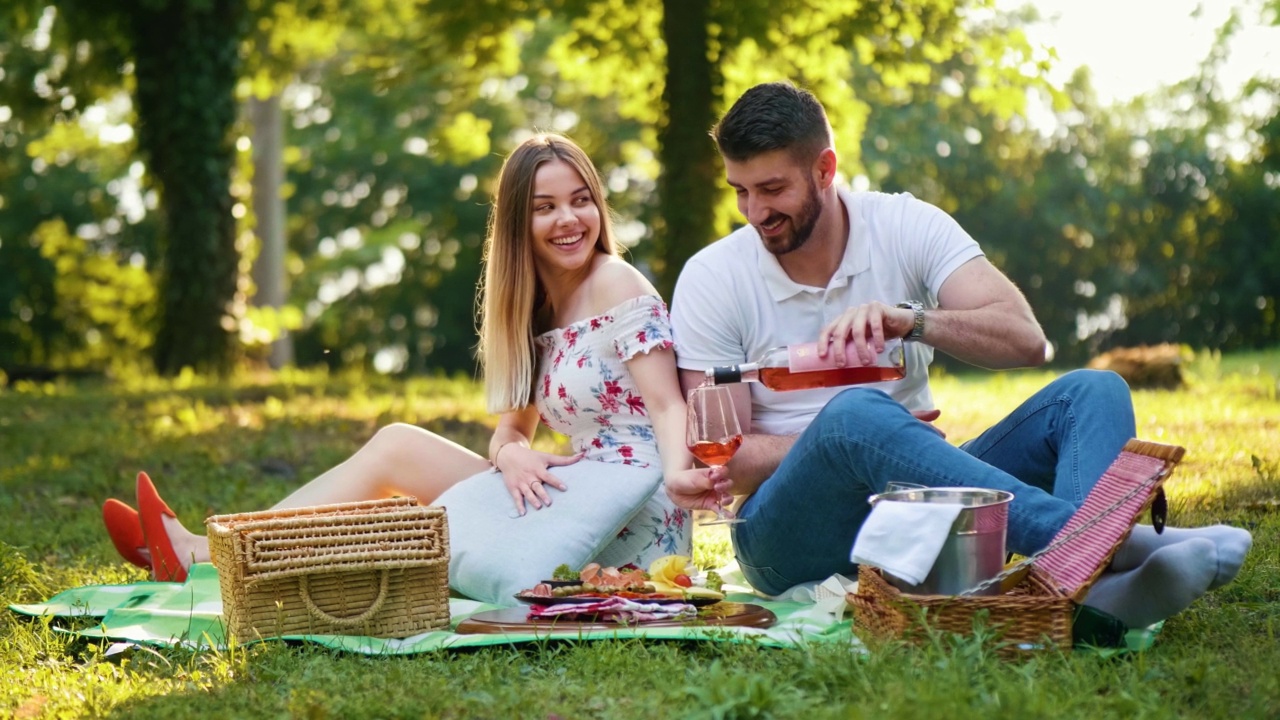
column 713, row 433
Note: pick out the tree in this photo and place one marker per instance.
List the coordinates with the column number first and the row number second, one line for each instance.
column 392, row 161
column 182, row 57
column 1123, row 225
column 673, row 65
column 286, row 39
column 690, row 179
column 186, row 55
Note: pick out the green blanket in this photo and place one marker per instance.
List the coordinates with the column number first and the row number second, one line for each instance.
column 189, row 614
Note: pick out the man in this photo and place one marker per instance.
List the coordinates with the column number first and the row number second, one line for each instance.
column 818, row 261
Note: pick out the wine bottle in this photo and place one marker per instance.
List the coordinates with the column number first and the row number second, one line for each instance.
column 798, row 367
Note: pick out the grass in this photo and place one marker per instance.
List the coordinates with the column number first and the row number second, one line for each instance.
column 229, row 446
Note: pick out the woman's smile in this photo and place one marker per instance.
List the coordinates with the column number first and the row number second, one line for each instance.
column 567, row 240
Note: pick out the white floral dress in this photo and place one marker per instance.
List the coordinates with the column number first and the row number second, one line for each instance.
column 585, row 392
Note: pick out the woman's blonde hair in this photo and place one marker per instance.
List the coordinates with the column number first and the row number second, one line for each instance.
column 510, row 292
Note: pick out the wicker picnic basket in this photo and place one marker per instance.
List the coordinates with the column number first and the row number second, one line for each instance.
column 1037, row 611
column 377, row 568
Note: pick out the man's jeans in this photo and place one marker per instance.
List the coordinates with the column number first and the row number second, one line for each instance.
column 801, row 523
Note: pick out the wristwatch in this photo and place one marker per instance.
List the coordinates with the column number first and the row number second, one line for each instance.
column 917, row 327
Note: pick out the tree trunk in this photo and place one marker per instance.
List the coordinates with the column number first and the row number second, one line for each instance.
column 268, row 206
column 691, row 169
column 186, row 62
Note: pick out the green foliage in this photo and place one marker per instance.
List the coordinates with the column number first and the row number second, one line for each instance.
column 1128, row 225
column 1118, row 230
column 181, row 60
column 960, row 140
column 1268, row 471
column 104, row 306
column 387, row 217
column 677, row 65
column 20, row 578
column 77, row 177
column 391, row 175
column 730, row 694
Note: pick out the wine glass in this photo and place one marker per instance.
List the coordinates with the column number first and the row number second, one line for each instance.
column 713, row 433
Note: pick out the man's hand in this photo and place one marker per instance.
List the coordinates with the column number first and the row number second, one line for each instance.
column 927, row 417
column 868, row 327
column 980, row 318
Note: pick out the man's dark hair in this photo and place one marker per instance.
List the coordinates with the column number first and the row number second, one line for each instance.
column 773, row 116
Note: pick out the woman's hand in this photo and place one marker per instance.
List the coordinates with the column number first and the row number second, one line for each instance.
column 699, row 488
column 524, row 471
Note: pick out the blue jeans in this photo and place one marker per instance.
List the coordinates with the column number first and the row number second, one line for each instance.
column 800, row 525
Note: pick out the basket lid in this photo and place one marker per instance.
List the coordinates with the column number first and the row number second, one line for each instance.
column 1083, row 548
column 391, row 504
column 336, row 538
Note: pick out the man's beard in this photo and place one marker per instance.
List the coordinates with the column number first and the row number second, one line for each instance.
column 802, row 223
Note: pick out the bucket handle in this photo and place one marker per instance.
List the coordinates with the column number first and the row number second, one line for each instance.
column 304, row 589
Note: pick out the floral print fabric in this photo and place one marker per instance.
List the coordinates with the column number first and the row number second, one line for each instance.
column 585, row 392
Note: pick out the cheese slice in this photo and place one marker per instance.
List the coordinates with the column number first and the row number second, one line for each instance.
column 701, row 592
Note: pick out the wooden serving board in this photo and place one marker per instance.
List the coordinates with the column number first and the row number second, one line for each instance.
column 515, row 620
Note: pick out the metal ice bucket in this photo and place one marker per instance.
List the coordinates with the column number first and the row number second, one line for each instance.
column 975, row 548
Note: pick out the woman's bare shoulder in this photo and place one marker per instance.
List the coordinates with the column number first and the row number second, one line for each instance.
column 614, row 281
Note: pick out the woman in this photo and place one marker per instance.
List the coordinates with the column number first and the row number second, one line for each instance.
column 570, row 333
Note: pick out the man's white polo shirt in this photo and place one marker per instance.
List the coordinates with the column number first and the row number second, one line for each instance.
column 733, row 301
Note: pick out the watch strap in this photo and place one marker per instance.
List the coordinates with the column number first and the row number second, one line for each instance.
column 917, row 325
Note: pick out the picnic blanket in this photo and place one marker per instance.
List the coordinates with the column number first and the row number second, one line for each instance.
column 189, row 614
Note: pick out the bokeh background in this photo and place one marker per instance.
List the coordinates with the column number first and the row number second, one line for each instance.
column 221, row 184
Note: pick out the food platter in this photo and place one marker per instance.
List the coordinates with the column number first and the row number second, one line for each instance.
column 587, row 599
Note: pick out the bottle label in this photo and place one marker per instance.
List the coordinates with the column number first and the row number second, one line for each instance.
column 804, row 358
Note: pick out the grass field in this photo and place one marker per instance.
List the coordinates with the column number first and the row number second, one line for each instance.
column 231, row 446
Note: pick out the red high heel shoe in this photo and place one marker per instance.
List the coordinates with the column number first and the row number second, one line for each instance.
column 125, row 530
column 165, row 565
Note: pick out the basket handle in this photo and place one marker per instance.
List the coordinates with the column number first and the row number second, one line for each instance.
column 304, row 589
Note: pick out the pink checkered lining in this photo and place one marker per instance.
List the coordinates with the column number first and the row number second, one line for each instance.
column 1074, row 562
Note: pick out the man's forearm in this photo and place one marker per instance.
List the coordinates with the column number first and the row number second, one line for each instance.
column 756, row 460
column 997, row 336
column 984, row 320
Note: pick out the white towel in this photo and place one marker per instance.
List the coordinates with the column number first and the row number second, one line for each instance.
column 904, row 538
